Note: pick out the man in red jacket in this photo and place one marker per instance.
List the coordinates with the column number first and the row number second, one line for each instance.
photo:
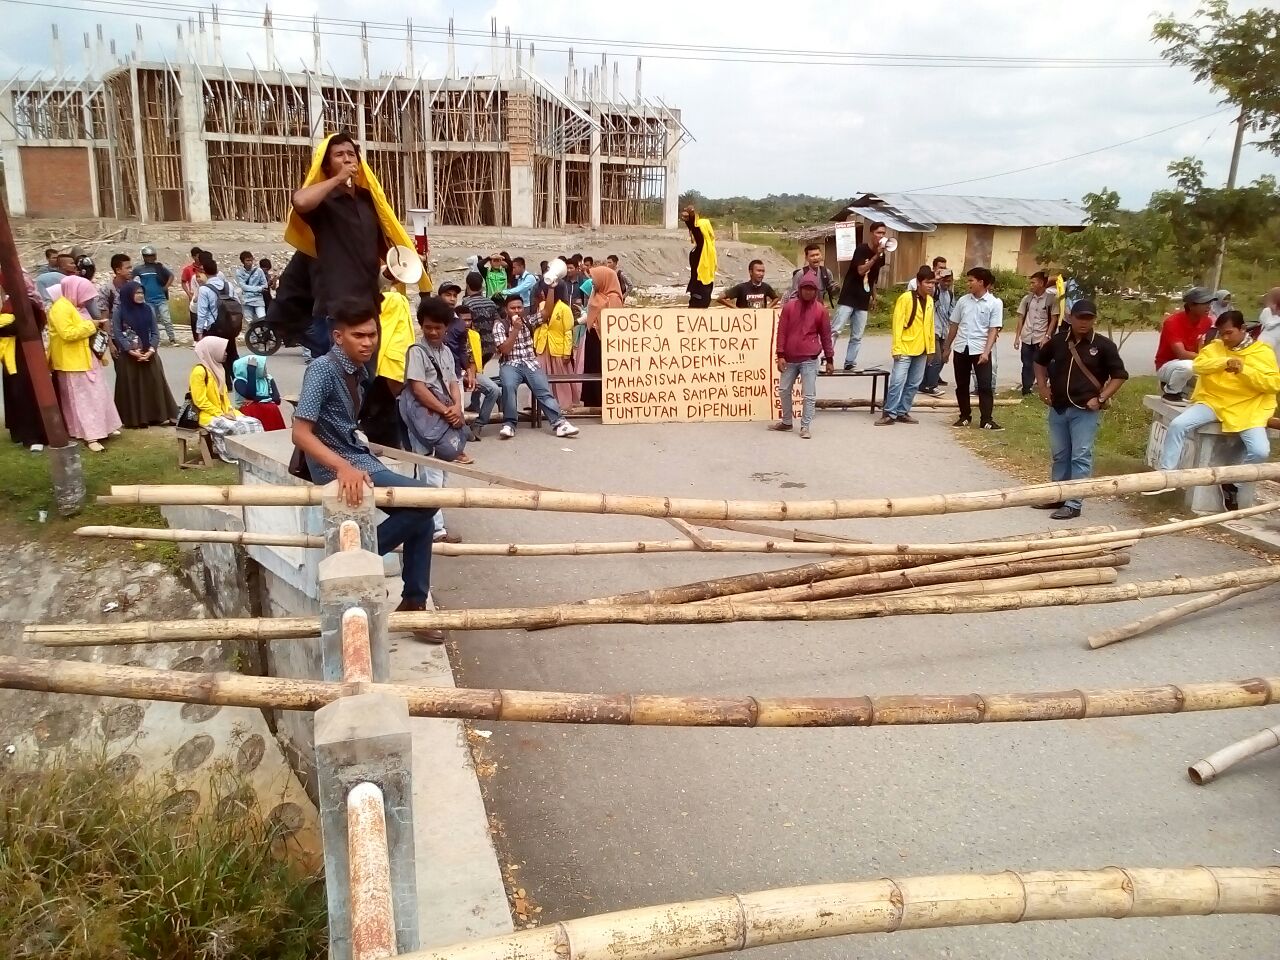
column 804, row 332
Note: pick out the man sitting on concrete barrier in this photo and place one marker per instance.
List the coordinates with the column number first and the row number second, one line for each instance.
column 324, row 429
column 1237, row 385
column 1181, row 336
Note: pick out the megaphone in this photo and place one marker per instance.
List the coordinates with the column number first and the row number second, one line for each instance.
column 888, row 245
column 403, row 264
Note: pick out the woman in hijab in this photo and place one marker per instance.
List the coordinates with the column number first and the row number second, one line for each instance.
column 77, row 356
column 256, row 392
column 606, row 292
column 208, row 391
column 143, row 398
column 21, row 411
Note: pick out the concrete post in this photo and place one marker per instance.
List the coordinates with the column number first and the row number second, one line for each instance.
column 336, row 511
column 671, row 200
column 597, row 165
column 350, row 579
column 10, row 153
column 365, row 739
column 195, row 155
column 139, row 157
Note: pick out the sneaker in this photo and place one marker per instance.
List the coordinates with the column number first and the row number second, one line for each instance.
column 1172, row 398
column 991, row 425
column 943, row 383
column 931, row 391
column 804, row 435
column 886, row 421
column 962, row 422
column 475, row 434
column 507, row 432
column 444, row 536
column 1056, row 505
column 907, row 418
column 566, row 429
column 780, row 427
column 848, row 367
column 1230, row 496
column 1065, row 513
column 36, row 448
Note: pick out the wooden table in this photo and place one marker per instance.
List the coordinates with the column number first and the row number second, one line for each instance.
column 874, row 373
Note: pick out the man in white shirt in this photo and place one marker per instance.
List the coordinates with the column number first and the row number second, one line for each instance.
column 975, row 324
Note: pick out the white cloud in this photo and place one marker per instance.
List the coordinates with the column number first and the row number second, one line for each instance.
column 800, row 126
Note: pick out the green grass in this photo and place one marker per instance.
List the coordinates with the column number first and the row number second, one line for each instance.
column 91, row 869
column 783, row 244
column 138, row 456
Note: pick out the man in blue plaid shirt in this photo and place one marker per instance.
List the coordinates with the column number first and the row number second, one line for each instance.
column 519, row 364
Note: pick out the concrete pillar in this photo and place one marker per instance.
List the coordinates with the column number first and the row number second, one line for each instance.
column 139, row 158
column 365, row 739
column 15, row 189
column 522, row 195
column 671, row 200
column 353, row 578
column 315, row 102
column 336, row 512
column 195, row 155
column 597, row 164
column 520, row 139
column 562, row 194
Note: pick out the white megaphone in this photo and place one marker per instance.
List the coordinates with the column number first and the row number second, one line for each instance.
column 888, row 245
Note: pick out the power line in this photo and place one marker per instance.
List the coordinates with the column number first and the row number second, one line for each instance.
column 706, row 53
column 1074, row 156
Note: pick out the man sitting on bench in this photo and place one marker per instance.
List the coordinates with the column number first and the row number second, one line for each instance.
column 519, row 364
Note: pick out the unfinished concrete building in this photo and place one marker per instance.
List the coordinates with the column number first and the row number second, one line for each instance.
column 198, row 140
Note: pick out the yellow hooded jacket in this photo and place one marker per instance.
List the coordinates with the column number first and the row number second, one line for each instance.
column 395, row 335
column 706, row 262
column 1241, row 400
column 298, row 234
column 69, row 335
column 555, row 337
column 8, row 345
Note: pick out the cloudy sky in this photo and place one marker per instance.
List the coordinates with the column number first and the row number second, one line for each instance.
column 802, row 122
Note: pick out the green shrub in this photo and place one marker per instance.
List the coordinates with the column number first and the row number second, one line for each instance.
column 91, row 869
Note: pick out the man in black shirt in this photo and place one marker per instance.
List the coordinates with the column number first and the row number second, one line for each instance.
column 754, row 294
column 348, row 234
column 858, row 292
column 1077, row 371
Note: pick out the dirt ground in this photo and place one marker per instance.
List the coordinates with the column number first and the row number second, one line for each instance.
column 651, row 257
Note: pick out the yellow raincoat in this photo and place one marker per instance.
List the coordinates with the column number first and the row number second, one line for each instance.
column 395, row 335
column 555, row 337
column 706, row 262
column 1241, row 400
column 912, row 337
column 298, row 234
column 8, row 345
column 69, row 335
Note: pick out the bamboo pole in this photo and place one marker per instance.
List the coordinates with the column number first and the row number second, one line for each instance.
column 628, row 709
column 737, row 922
column 1080, row 577
column 571, row 615
column 166, row 535
column 1216, row 764
column 920, row 403
column 1170, row 615
column 692, row 509
column 945, row 571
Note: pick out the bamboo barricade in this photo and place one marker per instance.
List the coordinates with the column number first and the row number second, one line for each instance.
column 743, row 921
column 628, row 709
column 1216, row 764
column 1165, row 617
column 919, row 403
column 266, row 495
column 1082, row 577
column 726, row 610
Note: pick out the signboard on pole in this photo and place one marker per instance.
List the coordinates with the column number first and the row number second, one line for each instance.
column 682, row 365
column 846, row 240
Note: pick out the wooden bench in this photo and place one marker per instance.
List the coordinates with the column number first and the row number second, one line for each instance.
column 875, row 373
column 199, row 438
column 535, row 410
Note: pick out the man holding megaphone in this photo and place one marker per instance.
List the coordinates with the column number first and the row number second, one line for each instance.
column 858, row 292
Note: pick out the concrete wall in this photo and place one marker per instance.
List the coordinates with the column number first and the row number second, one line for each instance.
column 57, row 181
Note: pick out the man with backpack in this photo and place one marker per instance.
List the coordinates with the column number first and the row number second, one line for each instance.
column 218, row 312
column 828, row 289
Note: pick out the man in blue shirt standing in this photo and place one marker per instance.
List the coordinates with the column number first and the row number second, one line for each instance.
column 523, row 284
column 971, row 337
column 155, row 278
column 944, row 301
column 324, row 429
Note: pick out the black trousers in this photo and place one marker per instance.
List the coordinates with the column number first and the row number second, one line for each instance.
column 965, row 365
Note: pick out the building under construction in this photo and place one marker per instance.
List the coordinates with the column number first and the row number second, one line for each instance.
column 196, row 140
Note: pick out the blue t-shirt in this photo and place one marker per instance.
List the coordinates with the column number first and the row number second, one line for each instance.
column 155, row 279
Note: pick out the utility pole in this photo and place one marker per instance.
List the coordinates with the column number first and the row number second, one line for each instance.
column 64, row 456
column 1231, row 185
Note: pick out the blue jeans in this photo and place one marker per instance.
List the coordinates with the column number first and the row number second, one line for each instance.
column 1257, row 445
column 857, row 321
column 1029, row 352
column 807, row 371
column 489, row 392
column 512, row 375
column 1071, row 436
column 164, row 319
column 413, row 527
column 432, row 477
column 904, row 380
column 934, row 365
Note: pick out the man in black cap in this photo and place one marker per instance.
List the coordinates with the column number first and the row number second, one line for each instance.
column 1077, row 372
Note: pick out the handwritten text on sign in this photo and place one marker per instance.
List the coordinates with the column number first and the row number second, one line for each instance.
column 676, row 364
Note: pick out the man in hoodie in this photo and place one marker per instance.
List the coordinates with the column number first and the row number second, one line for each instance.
column 804, row 332
column 252, row 283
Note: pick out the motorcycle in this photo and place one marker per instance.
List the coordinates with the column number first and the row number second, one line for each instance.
column 265, row 337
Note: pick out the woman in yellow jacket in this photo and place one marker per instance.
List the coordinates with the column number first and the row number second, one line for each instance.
column 1237, row 380
column 84, row 394
column 553, row 342
column 912, row 338
column 207, row 388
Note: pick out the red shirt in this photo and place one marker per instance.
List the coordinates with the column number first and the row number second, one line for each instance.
column 1180, row 328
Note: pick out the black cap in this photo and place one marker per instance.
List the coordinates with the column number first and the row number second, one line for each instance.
column 1084, row 308
column 449, row 287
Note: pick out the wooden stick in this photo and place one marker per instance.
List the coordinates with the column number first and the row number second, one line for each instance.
column 920, row 403
column 728, row 924
column 692, row 509
column 537, row 706
column 1216, row 764
column 778, row 533
column 1082, row 577
column 1170, row 615
column 571, row 615
column 167, row 535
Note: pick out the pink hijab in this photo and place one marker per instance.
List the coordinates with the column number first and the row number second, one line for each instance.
column 80, row 292
column 606, row 291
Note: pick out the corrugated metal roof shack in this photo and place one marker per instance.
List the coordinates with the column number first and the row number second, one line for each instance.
column 996, row 232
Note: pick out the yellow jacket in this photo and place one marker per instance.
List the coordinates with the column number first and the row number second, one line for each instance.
column 555, row 337
column 706, row 262
column 208, row 396
column 69, row 335
column 8, row 345
column 1240, row 400
column 473, row 338
column 395, row 335
column 913, row 340
column 300, row 237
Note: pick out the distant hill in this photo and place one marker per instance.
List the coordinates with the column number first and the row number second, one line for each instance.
column 781, row 210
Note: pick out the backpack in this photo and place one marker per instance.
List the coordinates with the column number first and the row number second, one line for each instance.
column 229, row 321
